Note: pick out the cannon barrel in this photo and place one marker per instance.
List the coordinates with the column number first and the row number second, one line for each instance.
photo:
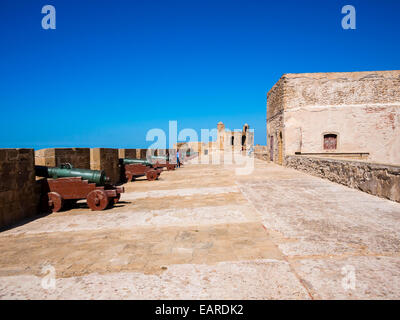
column 166, row 158
column 95, row 176
column 136, row 161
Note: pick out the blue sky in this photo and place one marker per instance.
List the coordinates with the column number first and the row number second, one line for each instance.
column 112, row 70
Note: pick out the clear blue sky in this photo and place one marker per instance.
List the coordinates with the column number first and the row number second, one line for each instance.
column 114, row 69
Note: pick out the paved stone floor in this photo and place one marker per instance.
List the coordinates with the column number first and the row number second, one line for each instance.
column 207, row 232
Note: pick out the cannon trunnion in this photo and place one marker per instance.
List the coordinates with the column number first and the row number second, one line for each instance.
column 65, row 185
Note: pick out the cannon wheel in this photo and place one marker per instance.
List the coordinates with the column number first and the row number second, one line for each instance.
column 151, row 175
column 55, row 201
column 97, row 200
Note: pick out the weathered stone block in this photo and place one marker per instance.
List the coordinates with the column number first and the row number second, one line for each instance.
column 19, row 196
column 127, row 153
column 54, row 157
column 141, row 153
column 107, row 160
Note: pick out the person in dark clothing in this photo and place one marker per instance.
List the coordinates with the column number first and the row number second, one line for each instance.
column 178, row 163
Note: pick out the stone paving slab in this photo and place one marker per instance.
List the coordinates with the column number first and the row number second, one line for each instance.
column 375, row 277
column 255, row 279
column 137, row 249
column 198, row 216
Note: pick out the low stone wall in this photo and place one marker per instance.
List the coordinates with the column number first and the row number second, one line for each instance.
column 107, row 160
column 78, row 157
column 140, row 153
column 19, row 192
column 376, row 179
column 129, row 153
column 261, row 152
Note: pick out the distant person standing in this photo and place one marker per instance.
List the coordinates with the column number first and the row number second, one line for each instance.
column 178, row 163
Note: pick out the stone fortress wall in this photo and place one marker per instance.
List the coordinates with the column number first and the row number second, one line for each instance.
column 360, row 110
column 19, row 192
column 344, row 127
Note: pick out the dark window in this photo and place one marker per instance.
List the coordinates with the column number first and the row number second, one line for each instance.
column 232, row 140
column 330, row 141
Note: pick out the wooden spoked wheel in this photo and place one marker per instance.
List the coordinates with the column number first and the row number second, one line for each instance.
column 55, row 201
column 97, row 200
column 151, row 175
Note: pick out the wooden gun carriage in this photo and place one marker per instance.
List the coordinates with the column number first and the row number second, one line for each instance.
column 133, row 168
column 66, row 185
column 162, row 162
